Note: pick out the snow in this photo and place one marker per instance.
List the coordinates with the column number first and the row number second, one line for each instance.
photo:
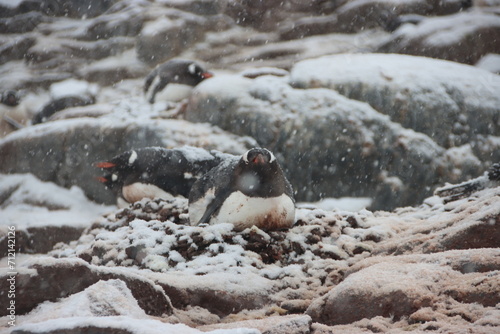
column 30, row 202
column 490, row 62
column 72, row 87
column 135, row 326
column 10, row 3
column 395, row 71
column 450, row 29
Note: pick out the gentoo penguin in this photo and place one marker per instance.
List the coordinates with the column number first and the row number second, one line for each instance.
column 12, row 115
column 246, row 191
column 60, row 104
column 175, row 71
column 156, row 172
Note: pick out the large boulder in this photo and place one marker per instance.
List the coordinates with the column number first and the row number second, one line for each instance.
column 329, row 145
column 453, row 104
column 398, row 289
column 463, row 37
column 35, row 285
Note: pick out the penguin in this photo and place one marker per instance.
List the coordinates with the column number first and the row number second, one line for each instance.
column 13, row 116
column 175, row 71
column 251, row 190
column 60, row 104
column 156, row 172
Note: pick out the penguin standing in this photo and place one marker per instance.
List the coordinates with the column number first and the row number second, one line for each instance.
column 176, row 71
column 248, row 191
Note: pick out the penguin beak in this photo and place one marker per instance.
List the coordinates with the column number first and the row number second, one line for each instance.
column 206, row 75
column 259, row 159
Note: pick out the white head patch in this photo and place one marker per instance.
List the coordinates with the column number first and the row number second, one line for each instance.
column 245, row 156
column 271, row 154
column 192, row 68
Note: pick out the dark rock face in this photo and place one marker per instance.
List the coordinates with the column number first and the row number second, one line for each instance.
column 445, row 38
column 33, row 289
column 40, row 240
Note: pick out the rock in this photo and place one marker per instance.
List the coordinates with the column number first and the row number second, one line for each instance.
column 198, row 7
column 165, row 38
column 111, row 70
column 57, row 214
column 292, row 324
column 443, row 101
column 463, row 37
column 336, row 140
column 361, row 14
column 64, row 151
column 124, row 19
column 463, row 229
column 36, row 285
column 385, row 289
column 307, row 26
column 21, row 23
column 75, row 9
column 15, row 48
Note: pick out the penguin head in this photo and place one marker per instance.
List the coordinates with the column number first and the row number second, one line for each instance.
column 197, row 72
column 258, row 173
column 10, row 98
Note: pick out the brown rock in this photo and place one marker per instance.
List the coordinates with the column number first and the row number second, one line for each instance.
column 60, row 278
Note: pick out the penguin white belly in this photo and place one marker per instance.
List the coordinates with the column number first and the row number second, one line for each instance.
column 136, row 191
column 266, row 213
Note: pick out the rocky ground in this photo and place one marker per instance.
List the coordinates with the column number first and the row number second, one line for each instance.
column 381, row 100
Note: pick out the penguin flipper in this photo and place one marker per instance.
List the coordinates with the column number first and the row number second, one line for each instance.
column 212, row 208
column 149, row 80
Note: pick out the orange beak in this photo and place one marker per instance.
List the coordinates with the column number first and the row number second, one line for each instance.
column 206, row 75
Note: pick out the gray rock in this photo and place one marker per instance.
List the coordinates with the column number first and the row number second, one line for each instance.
column 328, row 145
column 452, row 103
column 166, row 37
column 41, row 239
column 15, row 47
column 64, row 151
column 56, row 279
column 307, row 26
column 358, row 15
column 463, row 37
column 21, row 23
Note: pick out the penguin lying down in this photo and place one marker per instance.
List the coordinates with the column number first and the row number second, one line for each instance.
column 242, row 190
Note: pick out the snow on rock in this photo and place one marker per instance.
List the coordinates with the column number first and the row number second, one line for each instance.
column 464, row 37
column 323, row 138
column 35, row 284
column 104, row 298
column 117, row 324
column 443, row 101
column 43, row 213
